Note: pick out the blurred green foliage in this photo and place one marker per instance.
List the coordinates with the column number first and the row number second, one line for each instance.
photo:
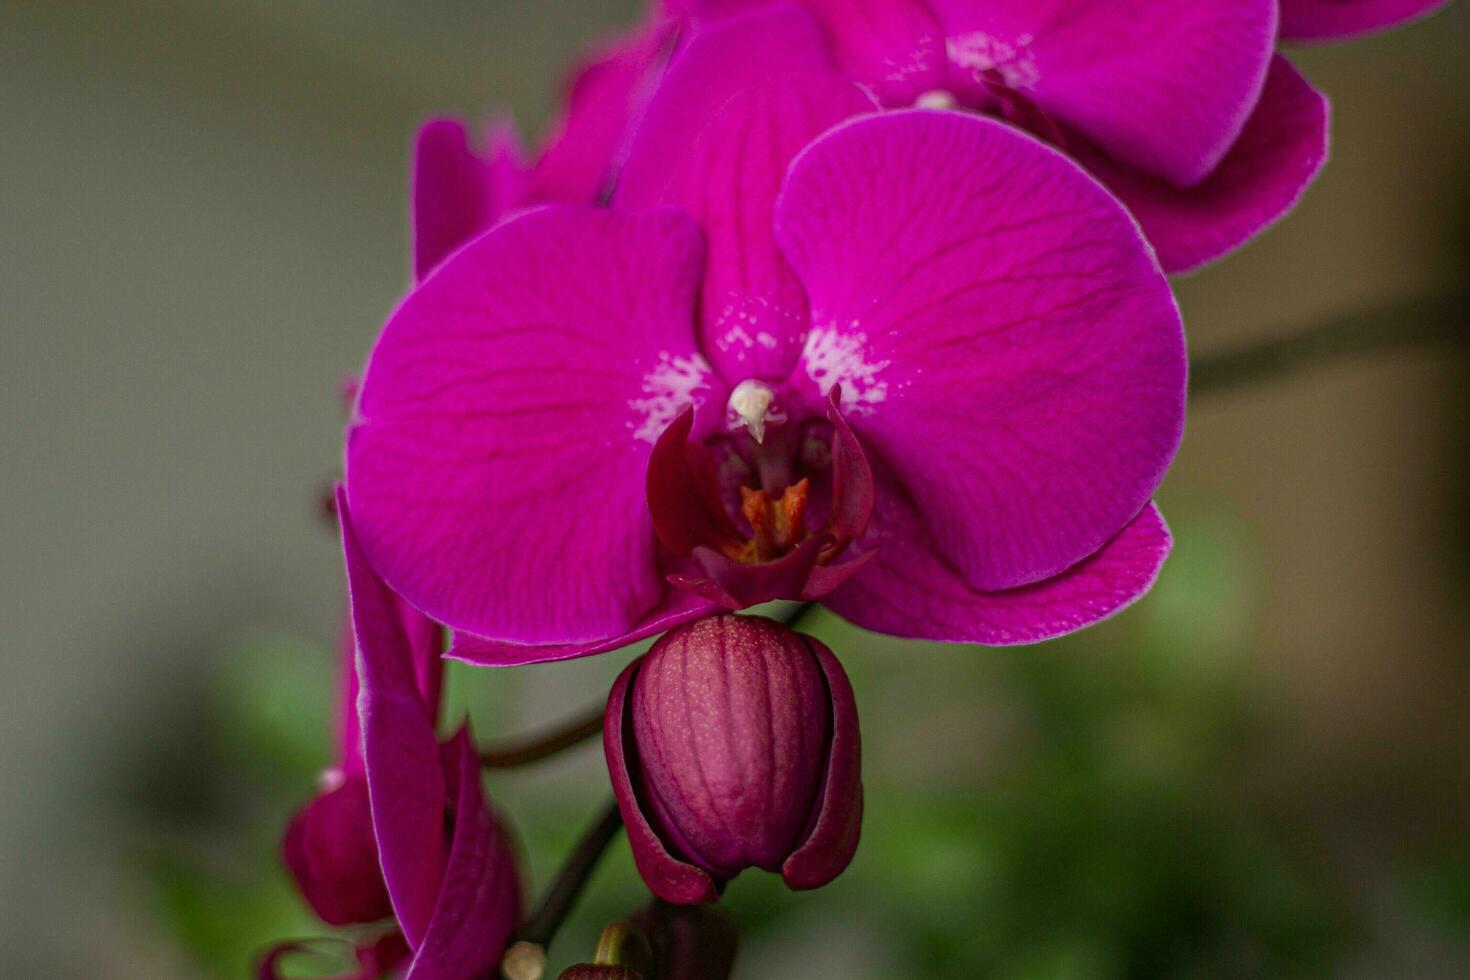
column 1069, row 810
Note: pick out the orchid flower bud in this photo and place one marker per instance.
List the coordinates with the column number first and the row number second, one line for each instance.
column 733, row 743
column 333, row 855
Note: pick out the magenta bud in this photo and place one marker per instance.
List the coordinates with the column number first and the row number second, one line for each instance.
column 333, row 854
column 733, row 743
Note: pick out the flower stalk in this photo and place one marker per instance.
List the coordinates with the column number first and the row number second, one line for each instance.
column 1421, row 321
column 527, row 749
column 556, row 904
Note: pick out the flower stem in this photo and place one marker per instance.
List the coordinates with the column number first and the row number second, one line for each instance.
column 794, row 617
column 1406, row 323
column 533, row 748
column 549, row 914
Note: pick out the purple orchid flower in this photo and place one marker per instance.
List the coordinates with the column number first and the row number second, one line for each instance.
column 733, row 743
column 1009, row 359
column 603, row 97
column 1179, row 106
column 460, row 189
column 449, row 867
column 1336, row 20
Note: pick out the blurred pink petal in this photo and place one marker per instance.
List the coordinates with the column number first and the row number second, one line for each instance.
column 1278, row 154
column 604, row 98
column 1335, row 20
column 1164, row 86
column 457, row 191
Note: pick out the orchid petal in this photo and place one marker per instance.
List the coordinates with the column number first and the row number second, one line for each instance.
column 1003, row 338
column 852, row 479
column 675, row 608
column 716, row 141
column 480, row 899
column 1335, row 20
column 683, row 496
column 1280, row 151
column 1164, row 86
column 910, row 590
column 604, row 98
column 496, row 467
column 895, row 47
column 405, row 778
column 737, row 585
column 346, row 725
column 333, row 855
column 456, row 192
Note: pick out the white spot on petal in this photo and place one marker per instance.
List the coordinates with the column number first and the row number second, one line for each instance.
column 671, row 386
column 1012, row 60
column 833, row 357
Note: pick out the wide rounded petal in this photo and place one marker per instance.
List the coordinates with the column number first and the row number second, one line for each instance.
column 716, row 142
column 909, row 590
column 676, row 607
column 1003, row 337
column 1331, row 20
column 400, row 750
column 496, row 464
column 1164, row 86
column 1278, row 154
column 480, row 899
column 457, row 192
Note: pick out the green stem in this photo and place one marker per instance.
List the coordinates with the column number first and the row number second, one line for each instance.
column 557, row 903
column 795, row 615
column 1407, row 323
column 533, row 748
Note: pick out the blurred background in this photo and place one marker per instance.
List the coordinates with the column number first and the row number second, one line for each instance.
column 1259, row 770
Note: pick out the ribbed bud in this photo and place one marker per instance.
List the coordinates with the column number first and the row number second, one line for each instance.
column 733, row 743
